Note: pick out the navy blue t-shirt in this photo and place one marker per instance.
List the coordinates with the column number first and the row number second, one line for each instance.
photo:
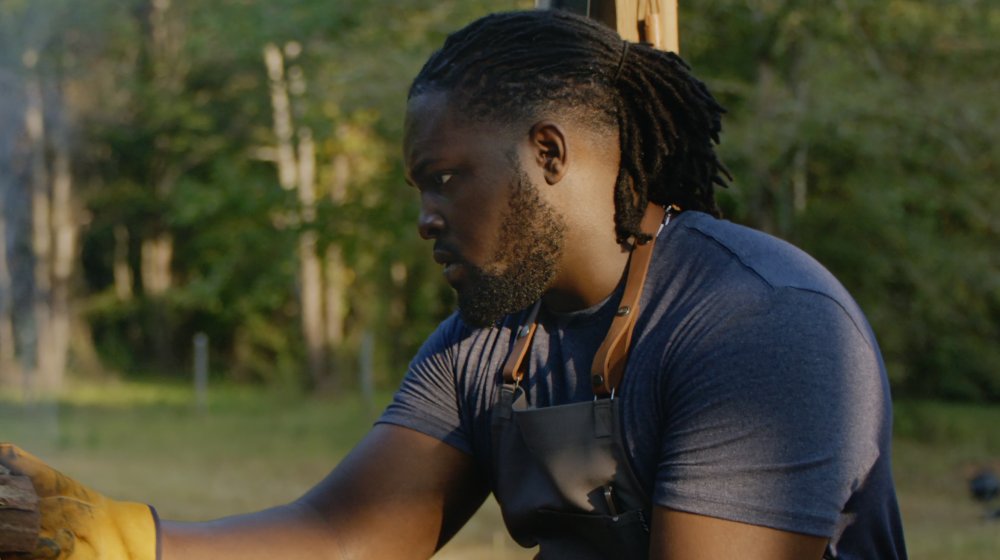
column 754, row 392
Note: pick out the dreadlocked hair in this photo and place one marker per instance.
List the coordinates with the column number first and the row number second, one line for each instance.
column 517, row 65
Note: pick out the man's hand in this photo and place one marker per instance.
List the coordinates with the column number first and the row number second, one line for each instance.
column 78, row 523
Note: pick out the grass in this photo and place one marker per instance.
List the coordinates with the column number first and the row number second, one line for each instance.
column 250, row 449
column 253, row 448
column 937, row 449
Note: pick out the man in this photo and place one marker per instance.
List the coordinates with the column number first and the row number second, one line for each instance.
column 629, row 374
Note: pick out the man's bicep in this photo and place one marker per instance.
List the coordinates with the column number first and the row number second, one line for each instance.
column 677, row 535
column 779, row 428
column 398, row 494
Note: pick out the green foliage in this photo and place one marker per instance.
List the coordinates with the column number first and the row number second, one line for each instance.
column 865, row 133
column 175, row 149
column 862, row 131
column 935, row 422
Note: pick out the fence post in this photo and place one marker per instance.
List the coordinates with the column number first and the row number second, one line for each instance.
column 201, row 371
column 367, row 374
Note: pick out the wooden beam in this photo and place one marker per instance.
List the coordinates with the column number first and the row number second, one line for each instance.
column 649, row 21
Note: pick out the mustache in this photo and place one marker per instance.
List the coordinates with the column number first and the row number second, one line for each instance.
column 450, row 253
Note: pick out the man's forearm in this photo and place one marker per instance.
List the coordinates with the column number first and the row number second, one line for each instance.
column 291, row 531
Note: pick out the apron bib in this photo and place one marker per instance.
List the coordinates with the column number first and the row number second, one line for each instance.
column 561, row 473
column 565, row 482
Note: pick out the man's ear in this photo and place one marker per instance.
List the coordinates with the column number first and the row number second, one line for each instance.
column 548, row 143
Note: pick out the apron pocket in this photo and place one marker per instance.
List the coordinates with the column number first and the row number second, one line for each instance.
column 591, row 535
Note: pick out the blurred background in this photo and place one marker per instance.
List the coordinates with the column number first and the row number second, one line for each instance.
column 211, row 282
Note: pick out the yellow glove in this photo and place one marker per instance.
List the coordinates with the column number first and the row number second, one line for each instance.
column 80, row 524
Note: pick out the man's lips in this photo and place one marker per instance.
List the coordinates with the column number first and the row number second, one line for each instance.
column 452, row 265
column 444, row 257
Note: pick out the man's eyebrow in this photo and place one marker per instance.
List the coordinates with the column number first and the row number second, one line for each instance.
column 418, row 169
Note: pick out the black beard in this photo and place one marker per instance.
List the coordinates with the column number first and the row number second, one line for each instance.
column 530, row 243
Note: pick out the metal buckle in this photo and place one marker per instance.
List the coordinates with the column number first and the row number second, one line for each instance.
column 612, row 397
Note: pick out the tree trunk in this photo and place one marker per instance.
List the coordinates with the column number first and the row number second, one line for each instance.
column 310, row 269
column 10, row 113
column 335, row 286
column 800, row 178
column 163, row 66
column 41, row 208
column 53, row 227
column 281, row 109
column 122, row 269
column 63, row 253
column 16, row 189
column 156, row 256
column 335, row 275
column 297, row 169
column 9, row 372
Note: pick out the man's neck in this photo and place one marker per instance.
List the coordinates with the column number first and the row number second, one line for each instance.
column 586, row 278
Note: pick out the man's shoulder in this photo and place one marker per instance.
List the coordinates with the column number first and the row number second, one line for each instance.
column 727, row 246
column 725, row 275
column 452, row 332
column 455, row 342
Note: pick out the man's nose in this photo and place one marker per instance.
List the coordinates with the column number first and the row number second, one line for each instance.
column 430, row 223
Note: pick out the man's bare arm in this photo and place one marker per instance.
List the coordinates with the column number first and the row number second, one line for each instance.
column 398, row 494
column 678, row 535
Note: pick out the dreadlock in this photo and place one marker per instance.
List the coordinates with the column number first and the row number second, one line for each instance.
column 516, row 65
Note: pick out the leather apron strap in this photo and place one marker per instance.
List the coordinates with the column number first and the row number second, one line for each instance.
column 513, row 369
column 609, row 362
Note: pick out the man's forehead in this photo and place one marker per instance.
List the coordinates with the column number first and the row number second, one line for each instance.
column 427, row 111
column 436, row 119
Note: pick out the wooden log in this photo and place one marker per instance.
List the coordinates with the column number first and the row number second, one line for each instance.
column 20, row 517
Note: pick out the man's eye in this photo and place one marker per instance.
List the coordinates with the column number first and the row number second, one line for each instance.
column 442, row 179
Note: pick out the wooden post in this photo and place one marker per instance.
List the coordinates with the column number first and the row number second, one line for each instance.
column 649, row 21
column 657, row 22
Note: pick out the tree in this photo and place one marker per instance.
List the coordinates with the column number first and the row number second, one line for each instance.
column 861, row 132
column 41, row 70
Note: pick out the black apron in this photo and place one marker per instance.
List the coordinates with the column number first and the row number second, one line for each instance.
column 561, row 473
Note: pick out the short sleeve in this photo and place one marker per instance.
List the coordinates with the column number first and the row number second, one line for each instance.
column 775, row 416
column 427, row 400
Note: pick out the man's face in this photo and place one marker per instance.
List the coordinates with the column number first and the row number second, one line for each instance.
column 498, row 239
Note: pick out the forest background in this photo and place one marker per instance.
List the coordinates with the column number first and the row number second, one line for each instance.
column 175, row 167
